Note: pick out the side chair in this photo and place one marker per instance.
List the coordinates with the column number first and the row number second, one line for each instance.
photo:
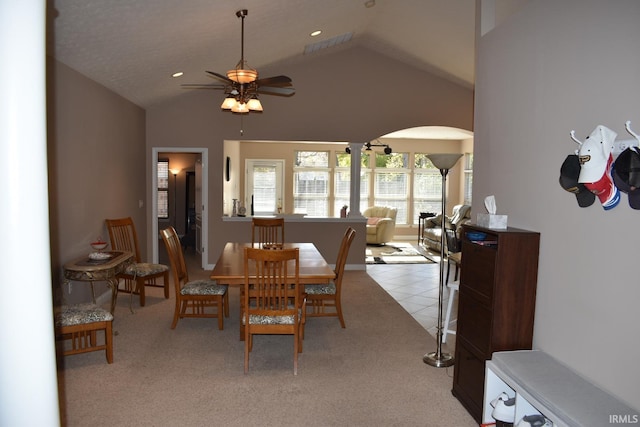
column 267, row 232
column 321, row 296
column 80, row 323
column 123, row 236
column 197, row 298
column 272, row 298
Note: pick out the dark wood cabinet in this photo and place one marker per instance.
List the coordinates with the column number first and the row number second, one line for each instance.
column 496, row 304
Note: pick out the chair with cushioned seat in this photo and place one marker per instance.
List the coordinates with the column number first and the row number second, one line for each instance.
column 123, row 236
column 80, row 323
column 322, row 296
column 381, row 224
column 197, row 298
column 267, row 232
column 273, row 303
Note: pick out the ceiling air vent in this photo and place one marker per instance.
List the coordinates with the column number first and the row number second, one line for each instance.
column 334, row 41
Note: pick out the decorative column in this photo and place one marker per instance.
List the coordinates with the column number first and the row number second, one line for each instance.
column 356, row 160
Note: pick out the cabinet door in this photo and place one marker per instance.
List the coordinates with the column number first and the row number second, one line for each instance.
column 474, row 324
column 478, row 270
column 468, row 385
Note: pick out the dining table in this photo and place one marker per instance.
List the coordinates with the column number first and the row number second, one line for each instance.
column 229, row 269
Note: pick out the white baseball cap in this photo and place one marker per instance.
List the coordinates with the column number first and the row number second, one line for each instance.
column 594, row 154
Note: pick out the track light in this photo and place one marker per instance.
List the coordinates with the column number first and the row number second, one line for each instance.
column 368, row 145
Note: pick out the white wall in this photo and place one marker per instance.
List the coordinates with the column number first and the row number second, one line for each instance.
column 552, row 67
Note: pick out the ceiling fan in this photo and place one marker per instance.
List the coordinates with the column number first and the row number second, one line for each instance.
column 242, row 86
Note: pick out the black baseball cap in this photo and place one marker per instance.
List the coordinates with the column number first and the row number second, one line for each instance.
column 626, row 175
column 569, row 174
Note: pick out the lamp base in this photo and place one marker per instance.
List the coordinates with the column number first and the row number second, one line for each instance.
column 442, row 360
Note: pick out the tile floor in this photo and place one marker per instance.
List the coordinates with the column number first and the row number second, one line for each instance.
column 415, row 288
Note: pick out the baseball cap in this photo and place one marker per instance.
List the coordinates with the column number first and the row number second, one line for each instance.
column 569, row 173
column 626, row 175
column 594, row 154
column 605, row 189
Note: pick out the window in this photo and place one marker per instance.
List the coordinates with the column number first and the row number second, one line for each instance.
column 427, row 186
column 311, row 183
column 468, row 177
column 163, row 188
column 391, row 183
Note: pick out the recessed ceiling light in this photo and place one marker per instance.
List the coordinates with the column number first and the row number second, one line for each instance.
column 316, row 33
column 178, row 74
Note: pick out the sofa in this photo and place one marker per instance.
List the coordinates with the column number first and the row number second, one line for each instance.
column 433, row 229
column 381, row 224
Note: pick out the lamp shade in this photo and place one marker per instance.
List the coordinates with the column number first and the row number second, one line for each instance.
column 228, row 103
column 240, row 107
column 444, row 161
column 240, row 75
column 254, row 104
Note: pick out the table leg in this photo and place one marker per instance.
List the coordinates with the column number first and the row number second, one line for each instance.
column 113, row 284
column 93, row 292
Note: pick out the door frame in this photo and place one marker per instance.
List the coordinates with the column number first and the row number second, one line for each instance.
column 204, row 153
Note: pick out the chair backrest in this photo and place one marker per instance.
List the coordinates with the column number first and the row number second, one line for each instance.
column 459, row 213
column 271, row 281
column 453, row 244
column 347, row 239
column 176, row 257
column 123, row 236
column 381, row 212
column 268, row 232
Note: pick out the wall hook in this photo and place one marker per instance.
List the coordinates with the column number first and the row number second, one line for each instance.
column 627, row 126
column 573, row 136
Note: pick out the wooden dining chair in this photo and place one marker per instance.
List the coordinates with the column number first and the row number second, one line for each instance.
column 268, row 232
column 80, row 324
column 272, row 298
column 197, row 298
column 123, row 236
column 322, row 296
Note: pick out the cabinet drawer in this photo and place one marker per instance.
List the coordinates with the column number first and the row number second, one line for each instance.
column 478, row 268
column 469, row 380
column 474, row 323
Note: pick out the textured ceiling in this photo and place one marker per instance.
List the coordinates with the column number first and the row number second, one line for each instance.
column 133, row 46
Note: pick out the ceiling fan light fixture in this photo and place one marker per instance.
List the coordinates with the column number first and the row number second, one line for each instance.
column 254, row 104
column 243, row 75
column 240, row 107
column 228, row 103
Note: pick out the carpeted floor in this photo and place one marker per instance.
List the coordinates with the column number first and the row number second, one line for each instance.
column 395, row 253
column 369, row 374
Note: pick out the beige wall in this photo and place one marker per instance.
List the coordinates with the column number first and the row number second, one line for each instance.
column 551, row 68
column 95, row 157
column 329, row 106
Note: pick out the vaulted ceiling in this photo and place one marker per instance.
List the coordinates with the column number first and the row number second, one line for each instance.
column 133, row 47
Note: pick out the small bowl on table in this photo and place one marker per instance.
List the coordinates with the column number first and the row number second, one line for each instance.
column 99, row 246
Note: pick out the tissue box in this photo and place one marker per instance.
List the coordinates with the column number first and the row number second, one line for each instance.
column 498, row 222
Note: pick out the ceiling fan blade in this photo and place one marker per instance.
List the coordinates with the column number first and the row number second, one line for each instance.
column 220, row 76
column 279, row 81
column 202, row 86
column 280, row 91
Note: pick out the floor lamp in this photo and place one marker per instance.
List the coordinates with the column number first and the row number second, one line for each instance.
column 437, row 358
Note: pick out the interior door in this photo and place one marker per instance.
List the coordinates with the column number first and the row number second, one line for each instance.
column 264, row 186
